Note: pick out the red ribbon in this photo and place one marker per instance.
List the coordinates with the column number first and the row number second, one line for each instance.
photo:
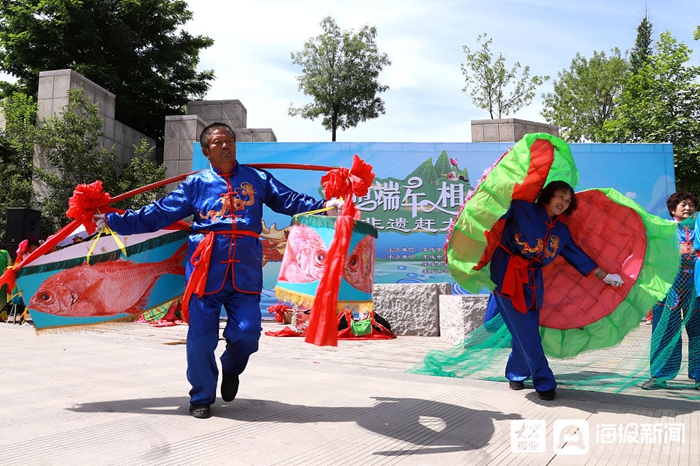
column 200, row 260
column 339, row 182
column 515, row 278
column 323, row 323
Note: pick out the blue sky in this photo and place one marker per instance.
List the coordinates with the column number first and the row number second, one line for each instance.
column 424, row 39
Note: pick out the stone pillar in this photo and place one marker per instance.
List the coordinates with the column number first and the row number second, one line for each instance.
column 255, row 135
column 459, row 315
column 231, row 112
column 52, row 96
column 412, row 308
column 181, row 132
column 508, row 129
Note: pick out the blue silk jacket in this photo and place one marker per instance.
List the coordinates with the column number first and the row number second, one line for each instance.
column 530, row 233
column 221, row 202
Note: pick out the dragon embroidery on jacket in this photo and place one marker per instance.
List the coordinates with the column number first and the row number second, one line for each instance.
column 239, row 199
column 550, row 251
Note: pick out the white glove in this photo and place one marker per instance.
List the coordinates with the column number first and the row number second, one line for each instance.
column 336, row 205
column 613, row 280
column 99, row 220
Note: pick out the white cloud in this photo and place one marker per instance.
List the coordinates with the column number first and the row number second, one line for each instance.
column 424, row 39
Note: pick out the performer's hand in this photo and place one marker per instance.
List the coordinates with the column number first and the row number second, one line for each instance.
column 99, row 220
column 336, row 205
column 613, row 280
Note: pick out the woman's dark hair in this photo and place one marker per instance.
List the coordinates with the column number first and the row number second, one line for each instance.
column 678, row 197
column 549, row 190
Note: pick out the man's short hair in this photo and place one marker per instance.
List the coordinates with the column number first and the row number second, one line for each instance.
column 206, row 132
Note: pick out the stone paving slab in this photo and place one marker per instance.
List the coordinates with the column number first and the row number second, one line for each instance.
column 119, row 396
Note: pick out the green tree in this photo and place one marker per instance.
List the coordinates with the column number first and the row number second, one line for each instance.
column 17, row 152
column 642, row 46
column 136, row 49
column 584, row 97
column 140, row 171
column 661, row 103
column 70, row 143
column 488, row 81
column 340, row 72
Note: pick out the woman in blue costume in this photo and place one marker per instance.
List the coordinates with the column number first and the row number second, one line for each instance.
column 680, row 308
column 225, row 258
column 532, row 238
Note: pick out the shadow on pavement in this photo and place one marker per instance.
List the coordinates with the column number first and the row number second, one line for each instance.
column 436, row 427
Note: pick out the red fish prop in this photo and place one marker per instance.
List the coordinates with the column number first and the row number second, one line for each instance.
column 338, row 272
column 104, row 289
column 306, row 260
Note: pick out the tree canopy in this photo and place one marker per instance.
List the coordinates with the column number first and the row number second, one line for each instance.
column 584, row 97
column 70, row 143
column 340, row 72
column 661, row 103
column 489, row 82
column 642, row 45
column 134, row 49
column 17, row 152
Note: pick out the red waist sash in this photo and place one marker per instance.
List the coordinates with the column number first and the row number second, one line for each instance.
column 515, row 279
column 200, row 261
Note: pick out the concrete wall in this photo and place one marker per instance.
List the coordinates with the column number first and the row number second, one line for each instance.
column 182, row 131
column 508, row 129
column 232, row 112
column 459, row 315
column 410, row 309
column 429, row 310
column 53, row 96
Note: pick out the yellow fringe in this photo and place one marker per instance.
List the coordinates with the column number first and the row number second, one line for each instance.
column 302, row 300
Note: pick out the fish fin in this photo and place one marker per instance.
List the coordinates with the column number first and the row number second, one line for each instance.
column 177, row 260
column 86, row 298
column 141, row 305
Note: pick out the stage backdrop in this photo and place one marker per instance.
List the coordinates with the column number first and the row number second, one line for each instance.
column 420, row 186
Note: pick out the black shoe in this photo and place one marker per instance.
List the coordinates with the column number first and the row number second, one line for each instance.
column 514, row 385
column 200, row 411
column 229, row 386
column 547, row 395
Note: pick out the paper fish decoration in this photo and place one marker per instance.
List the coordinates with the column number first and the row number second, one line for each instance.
column 306, row 258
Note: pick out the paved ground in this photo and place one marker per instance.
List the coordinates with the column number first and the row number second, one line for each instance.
column 119, row 396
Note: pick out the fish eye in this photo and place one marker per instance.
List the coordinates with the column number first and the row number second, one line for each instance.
column 320, row 257
column 45, row 297
column 352, row 262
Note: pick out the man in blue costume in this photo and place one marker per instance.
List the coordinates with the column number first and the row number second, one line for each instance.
column 532, row 238
column 225, row 257
column 680, row 308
